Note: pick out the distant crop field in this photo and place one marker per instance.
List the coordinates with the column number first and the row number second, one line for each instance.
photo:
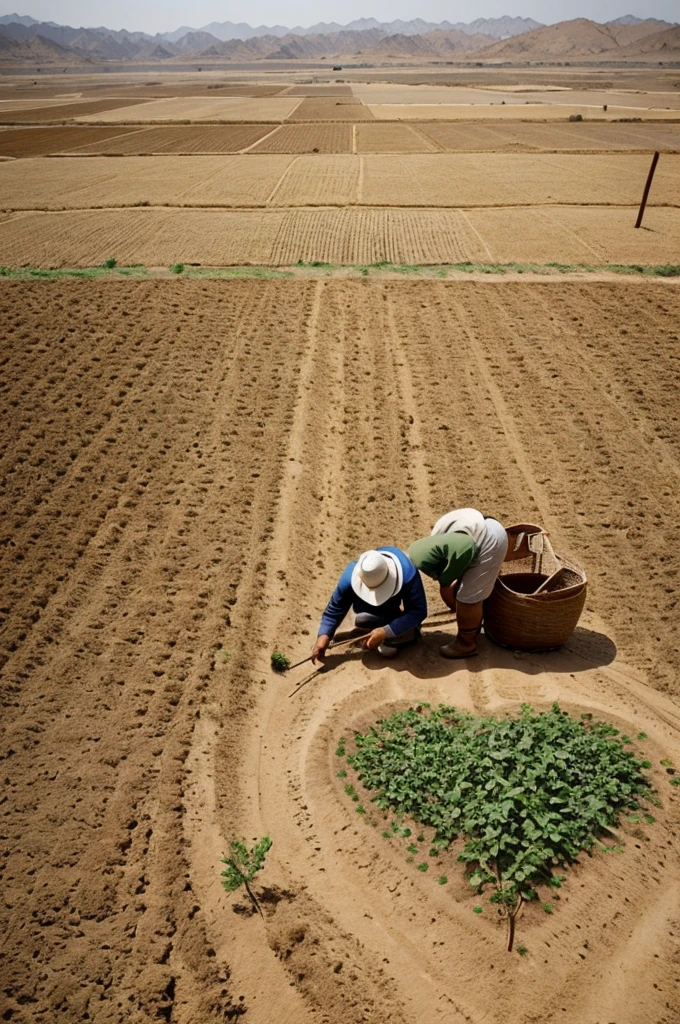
column 179, row 140
column 27, row 142
column 308, row 138
column 65, row 111
column 392, row 138
column 206, row 108
column 331, row 109
column 428, row 179
column 577, row 137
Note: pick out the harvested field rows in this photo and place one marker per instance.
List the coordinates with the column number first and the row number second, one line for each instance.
column 331, row 110
column 319, row 90
column 435, row 179
column 27, row 142
column 319, row 181
column 308, row 138
column 213, row 108
column 341, row 236
column 188, row 509
column 67, row 111
column 186, row 140
column 494, row 111
column 392, row 138
column 466, row 179
column 580, row 137
column 337, row 138
column 134, row 181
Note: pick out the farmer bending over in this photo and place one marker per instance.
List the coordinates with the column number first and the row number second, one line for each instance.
column 464, row 554
column 386, row 593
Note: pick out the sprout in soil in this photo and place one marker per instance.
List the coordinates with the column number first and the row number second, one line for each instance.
column 280, row 663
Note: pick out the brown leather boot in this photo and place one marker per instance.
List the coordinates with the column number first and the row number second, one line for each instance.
column 464, row 646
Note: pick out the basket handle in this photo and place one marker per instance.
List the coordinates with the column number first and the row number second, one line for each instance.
column 543, row 551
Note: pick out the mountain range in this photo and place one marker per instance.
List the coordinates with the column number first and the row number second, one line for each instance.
column 507, row 39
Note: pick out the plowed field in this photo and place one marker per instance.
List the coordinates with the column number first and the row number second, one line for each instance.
column 65, row 111
column 579, row 138
column 177, row 501
column 185, row 140
column 308, row 138
column 282, row 237
column 25, row 142
column 392, row 138
column 331, row 109
column 206, row 108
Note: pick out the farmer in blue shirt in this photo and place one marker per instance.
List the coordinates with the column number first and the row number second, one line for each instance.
column 386, row 592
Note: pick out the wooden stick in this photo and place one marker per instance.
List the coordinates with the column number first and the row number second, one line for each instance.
column 332, row 647
column 655, row 160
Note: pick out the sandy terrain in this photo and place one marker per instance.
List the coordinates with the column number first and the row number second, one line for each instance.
column 177, row 501
column 278, row 237
column 432, row 179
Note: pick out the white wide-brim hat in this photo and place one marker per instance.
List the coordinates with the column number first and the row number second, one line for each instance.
column 377, row 576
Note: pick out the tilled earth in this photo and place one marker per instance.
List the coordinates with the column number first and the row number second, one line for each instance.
column 186, row 468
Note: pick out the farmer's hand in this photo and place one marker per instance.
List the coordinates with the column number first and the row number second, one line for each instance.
column 374, row 639
column 319, row 652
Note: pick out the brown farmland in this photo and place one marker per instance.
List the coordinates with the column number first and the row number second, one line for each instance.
column 308, row 138
column 177, row 501
column 281, row 237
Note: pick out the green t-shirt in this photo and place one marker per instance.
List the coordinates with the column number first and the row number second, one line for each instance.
column 444, row 557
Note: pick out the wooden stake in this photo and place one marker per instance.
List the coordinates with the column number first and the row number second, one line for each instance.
column 655, row 160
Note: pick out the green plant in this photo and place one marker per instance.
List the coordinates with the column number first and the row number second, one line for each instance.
column 522, row 950
column 280, row 663
column 243, row 865
column 177, row 268
column 110, row 263
column 523, row 795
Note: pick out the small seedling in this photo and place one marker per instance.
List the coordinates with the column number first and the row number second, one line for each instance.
column 243, row 865
column 280, row 663
column 522, row 950
column 110, row 263
column 442, row 879
column 642, row 736
column 548, row 907
column 423, row 867
column 342, row 774
column 477, row 910
column 177, row 268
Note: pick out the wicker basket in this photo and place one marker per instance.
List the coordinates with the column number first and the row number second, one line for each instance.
column 538, row 597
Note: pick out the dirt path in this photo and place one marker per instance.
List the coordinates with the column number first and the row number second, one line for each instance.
column 185, row 473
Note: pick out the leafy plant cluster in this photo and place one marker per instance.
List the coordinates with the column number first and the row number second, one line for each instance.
column 524, row 794
column 243, row 864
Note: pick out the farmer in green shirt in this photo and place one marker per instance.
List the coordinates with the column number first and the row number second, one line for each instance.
column 464, row 554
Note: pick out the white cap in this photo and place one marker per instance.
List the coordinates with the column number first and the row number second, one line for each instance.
column 377, row 576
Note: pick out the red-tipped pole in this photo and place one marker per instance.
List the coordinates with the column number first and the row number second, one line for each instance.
column 655, row 160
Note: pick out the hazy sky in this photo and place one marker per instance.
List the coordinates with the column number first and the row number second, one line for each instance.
column 163, row 17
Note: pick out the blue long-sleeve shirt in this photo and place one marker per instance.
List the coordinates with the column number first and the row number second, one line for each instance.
column 405, row 610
